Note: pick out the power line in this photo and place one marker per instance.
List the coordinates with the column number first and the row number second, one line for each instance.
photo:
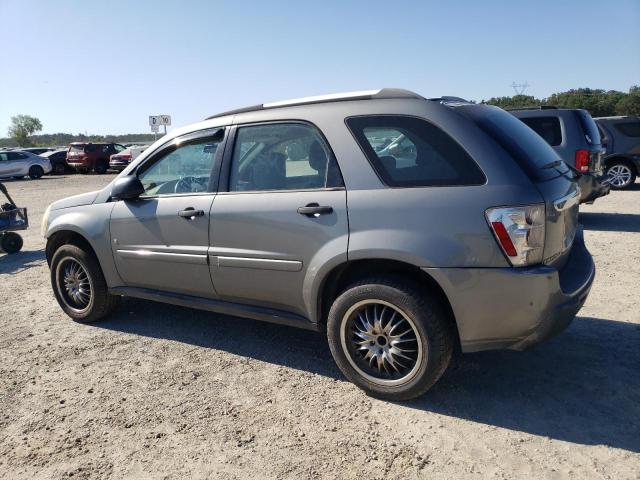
column 519, row 88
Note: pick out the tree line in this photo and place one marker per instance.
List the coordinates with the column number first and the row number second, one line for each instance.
column 599, row 103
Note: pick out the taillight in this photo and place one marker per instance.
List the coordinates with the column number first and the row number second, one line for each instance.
column 519, row 232
column 582, row 160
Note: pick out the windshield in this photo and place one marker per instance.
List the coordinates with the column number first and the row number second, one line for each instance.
column 526, row 147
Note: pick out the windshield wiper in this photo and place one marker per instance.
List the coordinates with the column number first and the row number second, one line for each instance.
column 555, row 163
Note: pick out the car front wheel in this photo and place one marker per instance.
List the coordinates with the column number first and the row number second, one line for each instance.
column 79, row 285
column 390, row 338
column 622, row 175
column 36, row 172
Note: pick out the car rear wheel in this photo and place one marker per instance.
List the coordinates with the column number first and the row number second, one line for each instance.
column 36, row 172
column 10, row 242
column 390, row 338
column 622, row 174
column 101, row 167
column 79, row 285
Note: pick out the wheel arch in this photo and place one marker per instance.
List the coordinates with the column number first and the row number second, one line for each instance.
column 350, row 271
column 67, row 237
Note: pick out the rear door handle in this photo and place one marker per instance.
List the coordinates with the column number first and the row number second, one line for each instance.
column 191, row 213
column 315, row 210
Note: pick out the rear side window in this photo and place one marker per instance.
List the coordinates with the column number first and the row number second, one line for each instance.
column 411, row 152
column 547, row 127
column 629, row 129
column 529, row 150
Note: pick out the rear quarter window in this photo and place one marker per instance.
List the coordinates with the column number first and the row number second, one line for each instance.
column 629, row 129
column 411, row 152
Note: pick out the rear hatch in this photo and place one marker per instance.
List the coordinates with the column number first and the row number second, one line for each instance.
column 555, row 181
column 75, row 153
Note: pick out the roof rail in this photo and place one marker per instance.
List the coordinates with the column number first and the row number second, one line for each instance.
column 539, row 107
column 449, row 99
column 334, row 97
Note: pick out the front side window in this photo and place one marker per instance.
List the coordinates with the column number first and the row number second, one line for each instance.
column 282, row 156
column 411, row 152
column 186, row 169
column 17, row 156
column 547, row 127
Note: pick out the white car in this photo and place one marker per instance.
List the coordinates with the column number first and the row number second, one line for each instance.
column 18, row 164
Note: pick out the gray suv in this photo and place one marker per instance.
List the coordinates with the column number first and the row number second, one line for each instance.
column 621, row 136
column 404, row 228
column 574, row 136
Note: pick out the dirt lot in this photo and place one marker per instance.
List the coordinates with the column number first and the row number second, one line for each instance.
column 165, row 392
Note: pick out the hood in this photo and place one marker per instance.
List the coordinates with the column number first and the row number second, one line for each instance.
column 75, row 201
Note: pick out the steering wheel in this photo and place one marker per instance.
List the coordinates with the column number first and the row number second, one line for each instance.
column 189, row 184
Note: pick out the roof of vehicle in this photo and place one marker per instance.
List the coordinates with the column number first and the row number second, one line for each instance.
column 51, row 152
column 538, row 107
column 619, row 117
column 384, row 93
column 94, row 143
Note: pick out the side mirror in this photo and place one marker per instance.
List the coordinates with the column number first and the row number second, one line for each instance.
column 127, row 188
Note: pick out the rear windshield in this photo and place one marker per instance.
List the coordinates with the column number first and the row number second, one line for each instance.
column 529, row 150
column 629, row 129
column 547, row 127
column 589, row 127
column 76, row 148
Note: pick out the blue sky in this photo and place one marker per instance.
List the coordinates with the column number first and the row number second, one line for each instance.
column 104, row 66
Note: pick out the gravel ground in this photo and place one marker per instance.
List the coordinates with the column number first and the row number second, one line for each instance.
column 164, row 392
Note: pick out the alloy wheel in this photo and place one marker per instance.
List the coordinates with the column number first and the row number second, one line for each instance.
column 620, row 175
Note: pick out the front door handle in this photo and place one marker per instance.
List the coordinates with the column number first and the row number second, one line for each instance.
column 191, row 213
column 315, row 210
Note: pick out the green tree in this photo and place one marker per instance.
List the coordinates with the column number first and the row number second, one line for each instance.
column 630, row 104
column 517, row 101
column 21, row 127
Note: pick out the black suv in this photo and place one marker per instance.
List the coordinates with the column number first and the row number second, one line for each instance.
column 621, row 138
column 574, row 136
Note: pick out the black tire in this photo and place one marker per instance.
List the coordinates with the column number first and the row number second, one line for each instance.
column 623, row 173
column 58, row 169
column 432, row 330
column 100, row 303
column 10, row 242
column 36, row 172
column 101, row 167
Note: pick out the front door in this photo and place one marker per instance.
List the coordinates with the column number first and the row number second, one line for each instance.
column 282, row 216
column 160, row 240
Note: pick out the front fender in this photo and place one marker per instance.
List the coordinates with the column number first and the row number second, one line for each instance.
column 92, row 223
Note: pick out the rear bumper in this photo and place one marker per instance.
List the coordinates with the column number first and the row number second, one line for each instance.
column 515, row 308
column 593, row 186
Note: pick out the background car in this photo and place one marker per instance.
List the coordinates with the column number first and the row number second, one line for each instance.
column 621, row 137
column 87, row 157
column 58, row 159
column 574, row 136
column 119, row 161
column 36, row 150
column 18, row 164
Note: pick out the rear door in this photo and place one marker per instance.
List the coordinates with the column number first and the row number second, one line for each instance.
column 282, row 215
column 160, row 240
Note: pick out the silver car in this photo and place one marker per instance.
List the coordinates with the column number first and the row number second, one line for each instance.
column 18, row 164
column 403, row 227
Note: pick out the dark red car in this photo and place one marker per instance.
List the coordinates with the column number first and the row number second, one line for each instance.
column 87, row 157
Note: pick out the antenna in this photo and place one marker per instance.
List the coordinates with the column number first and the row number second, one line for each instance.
column 519, row 88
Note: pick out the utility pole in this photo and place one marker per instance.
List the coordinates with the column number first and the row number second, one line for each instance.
column 519, row 88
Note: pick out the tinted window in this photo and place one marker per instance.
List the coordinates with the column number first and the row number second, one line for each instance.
column 17, row 156
column 589, row 127
column 410, row 152
column 630, row 129
column 529, row 150
column 547, row 127
column 186, row 169
column 91, row 148
column 282, row 156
